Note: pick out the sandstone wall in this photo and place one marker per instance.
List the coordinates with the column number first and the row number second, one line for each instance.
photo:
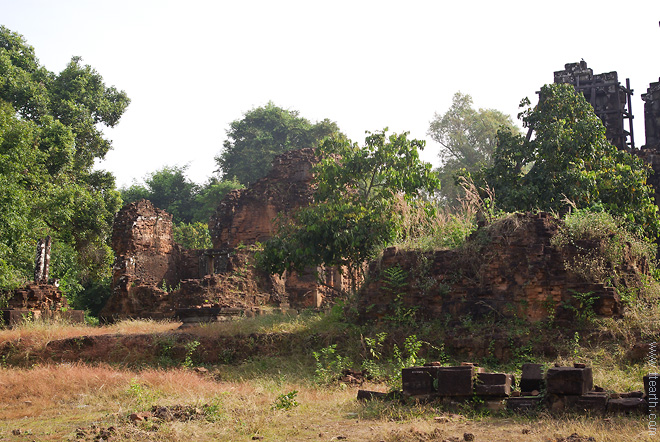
column 652, row 115
column 607, row 96
column 510, row 268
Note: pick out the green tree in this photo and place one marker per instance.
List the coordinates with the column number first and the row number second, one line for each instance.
column 170, row 189
column 352, row 216
column 467, row 138
column 569, row 158
column 192, row 235
column 209, row 195
column 50, row 135
column 262, row 134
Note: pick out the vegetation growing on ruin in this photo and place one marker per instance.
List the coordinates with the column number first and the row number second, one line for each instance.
column 569, row 159
column 353, row 215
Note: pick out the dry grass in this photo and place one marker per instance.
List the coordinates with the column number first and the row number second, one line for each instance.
column 268, row 323
column 51, row 402
column 39, row 333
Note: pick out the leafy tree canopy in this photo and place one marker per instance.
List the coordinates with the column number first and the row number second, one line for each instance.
column 49, row 139
column 262, row 134
column 569, row 158
column 352, row 216
column 171, row 190
column 467, row 138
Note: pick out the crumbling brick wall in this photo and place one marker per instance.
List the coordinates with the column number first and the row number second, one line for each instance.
column 247, row 216
column 153, row 276
column 510, row 269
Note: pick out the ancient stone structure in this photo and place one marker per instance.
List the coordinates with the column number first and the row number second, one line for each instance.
column 153, row 276
column 40, row 299
column 566, row 389
column 650, row 152
column 37, row 301
column 42, row 261
column 508, row 268
column 247, row 216
column 652, row 115
column 250, row 215
column 611, row 101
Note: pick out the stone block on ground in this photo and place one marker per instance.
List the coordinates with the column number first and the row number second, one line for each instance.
column 417, row 380
column 626, row 406
column 454, row 381
column 366, row 395
column 532, row 377
column 558, row 402
column 523, row 403
column 569, row 380
column 593, row 401
column 493, row 384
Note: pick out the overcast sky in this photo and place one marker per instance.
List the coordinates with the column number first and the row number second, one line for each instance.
column 191, row 67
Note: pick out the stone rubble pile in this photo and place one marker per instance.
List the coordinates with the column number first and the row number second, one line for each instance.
column 556, row 389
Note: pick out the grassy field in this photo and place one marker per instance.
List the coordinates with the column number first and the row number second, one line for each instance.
column 259, row 397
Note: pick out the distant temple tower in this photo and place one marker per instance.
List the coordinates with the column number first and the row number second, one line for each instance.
column 652, row 115
column 611, row 101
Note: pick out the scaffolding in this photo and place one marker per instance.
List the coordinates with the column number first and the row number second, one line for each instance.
column 612, row 102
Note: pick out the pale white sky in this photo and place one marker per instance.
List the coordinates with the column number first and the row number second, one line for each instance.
column 191, row 67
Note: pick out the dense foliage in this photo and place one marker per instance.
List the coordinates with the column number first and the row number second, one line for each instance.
column 569, row 161
column 467, row 138
column 50, row 136
column 352, row 216
column 262, row 134
column 171, row 190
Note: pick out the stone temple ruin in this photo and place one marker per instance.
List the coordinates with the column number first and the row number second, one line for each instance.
column 611, row 100
column 40, row 299
column 153, row 277
column 520, row 273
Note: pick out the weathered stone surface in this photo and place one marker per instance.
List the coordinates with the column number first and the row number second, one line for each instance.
column 626, row 405
column 559, row 402
column 34, row 302
column 153, row 276
column 247, row 216
column 593, row 401
column 532, row 378
column 37, row 297
column 367, row 395
column 523, row 403
column 417, row 380
column 493, row 384
column 454, row 381
column 512, row 269
column 652, row 114
column 569, row 380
